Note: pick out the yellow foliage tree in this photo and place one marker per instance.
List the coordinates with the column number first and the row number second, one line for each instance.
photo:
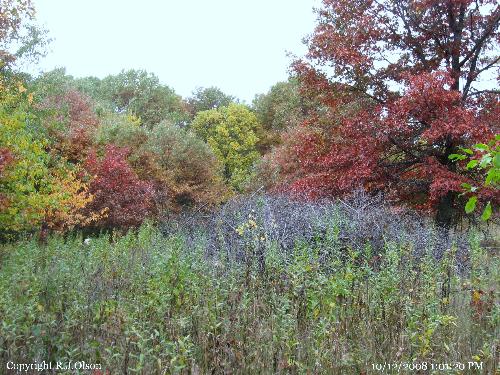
column 35, row 187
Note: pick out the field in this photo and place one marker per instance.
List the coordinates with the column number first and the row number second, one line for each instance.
column 250, row 187
column 352, row 287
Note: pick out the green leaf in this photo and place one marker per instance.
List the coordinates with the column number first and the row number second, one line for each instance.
column 472, row 164
column 497, row 137
column 471, row 204
column 487, row 212
column 485, row 161
column 467, row 151
column 467, row 186
column 489, row 177
column 496, row 161
column 481, row 147
column 456, row 157
column 493, row 175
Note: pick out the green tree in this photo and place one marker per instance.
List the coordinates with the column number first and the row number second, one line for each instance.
column 204, row 99
column 280, row 109
column 187, row 167
column 140, row 93
column 134, row 92
column 231, row 132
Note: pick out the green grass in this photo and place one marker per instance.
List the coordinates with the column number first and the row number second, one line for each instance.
column 146, row 304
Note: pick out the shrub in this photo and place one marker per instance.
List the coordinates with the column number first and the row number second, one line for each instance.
column 117, row 190
column 359, row 223
column 71, row 122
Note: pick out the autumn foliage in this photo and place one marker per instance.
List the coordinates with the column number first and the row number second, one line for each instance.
column 71, row 120
column 36, row 187
column 117, row 191
column 387, row 93
column 398, row 82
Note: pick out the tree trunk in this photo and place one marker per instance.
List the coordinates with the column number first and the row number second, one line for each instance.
column 445, row 211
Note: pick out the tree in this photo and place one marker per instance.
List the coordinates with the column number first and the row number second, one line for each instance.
column 71, row 123
column 231, row 133
column 204, row 99
column 13, row 17
column 141, row 94
column 182, row 168
column 402, row 84
column 185, row 166
column 35, row 187
column 121, row 130
column 117, row 191
column 19, row 37
column 282, row 108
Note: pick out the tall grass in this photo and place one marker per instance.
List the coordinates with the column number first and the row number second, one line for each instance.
column 150, row 303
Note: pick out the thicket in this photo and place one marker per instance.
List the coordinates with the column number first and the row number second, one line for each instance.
column 328, row 299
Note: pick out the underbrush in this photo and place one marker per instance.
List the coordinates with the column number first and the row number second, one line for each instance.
column 155, row 302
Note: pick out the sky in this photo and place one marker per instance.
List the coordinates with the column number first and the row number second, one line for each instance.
column 239, row 46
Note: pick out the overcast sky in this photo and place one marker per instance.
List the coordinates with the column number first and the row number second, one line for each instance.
column 237, row 45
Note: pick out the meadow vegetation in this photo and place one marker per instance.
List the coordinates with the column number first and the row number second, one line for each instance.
column 327, row 300
column 345, row 219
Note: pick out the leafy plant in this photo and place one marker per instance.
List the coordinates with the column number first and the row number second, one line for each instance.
column 231, row 134
column 117, row 190
column 154, row 303
column 398, row 100
column 489, row 163
column 36, row 187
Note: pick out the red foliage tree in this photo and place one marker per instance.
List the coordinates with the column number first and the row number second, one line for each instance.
column 74, row 111
column 117, row 190
column 402, row 89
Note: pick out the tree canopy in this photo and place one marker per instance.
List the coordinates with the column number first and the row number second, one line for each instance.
column 231, row 132
column 402, row 85
column 204, row 99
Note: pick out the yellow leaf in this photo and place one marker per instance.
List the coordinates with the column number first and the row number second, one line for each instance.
column 476, row 296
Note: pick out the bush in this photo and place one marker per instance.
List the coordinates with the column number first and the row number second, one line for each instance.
column 362, row 223
column 71, row 123
column 35, row 187
column 182, row 168
column 117, row 191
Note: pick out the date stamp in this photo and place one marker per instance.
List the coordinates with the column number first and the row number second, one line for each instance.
column 426, row 366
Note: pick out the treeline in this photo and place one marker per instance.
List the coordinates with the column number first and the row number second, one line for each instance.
column 108, row 153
